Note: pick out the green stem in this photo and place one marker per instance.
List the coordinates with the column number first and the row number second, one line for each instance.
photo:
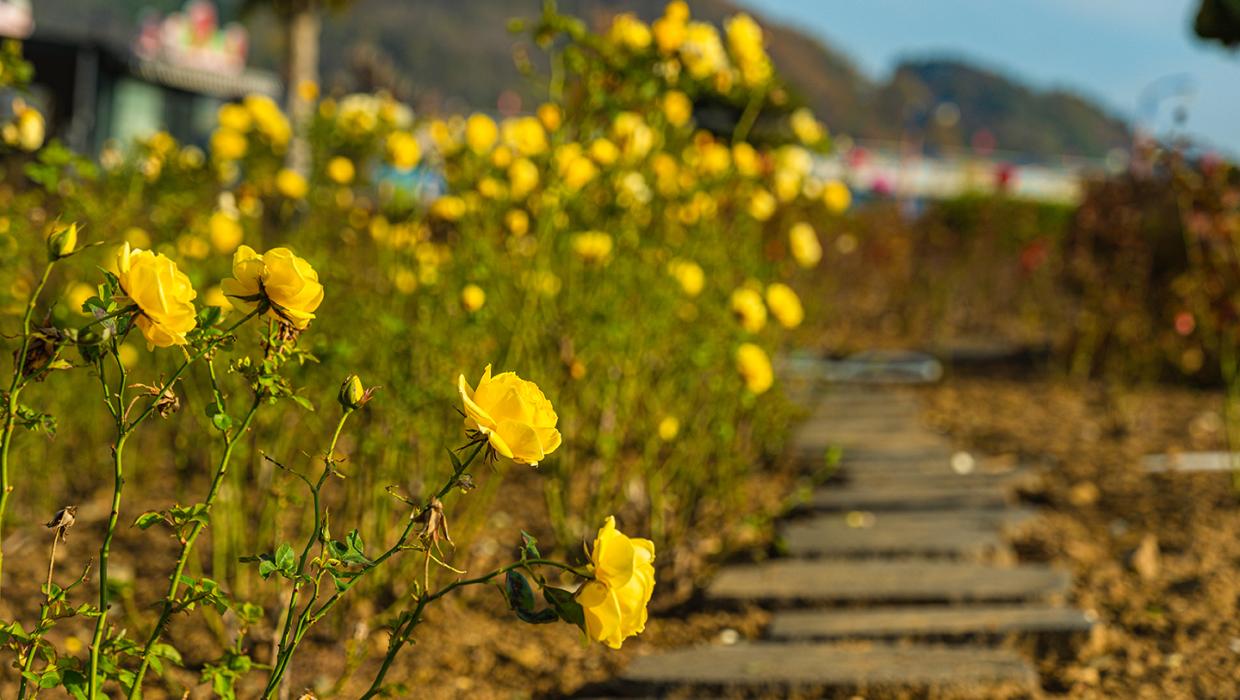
column 10, row 409
column 169, row 603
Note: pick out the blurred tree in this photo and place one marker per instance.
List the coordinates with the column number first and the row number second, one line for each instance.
column 302, row 26
column 1219, row 20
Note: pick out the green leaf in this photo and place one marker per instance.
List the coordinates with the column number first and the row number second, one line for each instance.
column 529, row 546
column 541, row 617
column 222, row 422
column 148, row 519
column 565, row 605
column 356, row 553
column 285, row 559
column 302, row 401
column 520, row 594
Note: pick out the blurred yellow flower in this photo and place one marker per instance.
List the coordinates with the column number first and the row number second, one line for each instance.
column 745, row 42
column 308, row 90
column 550, row 116
column 129, row 359
column 702, row 51
column 604, row 152
column 754, row 367
column 341, row 170
column 472, row 297
column 137, row 237
column 268, row 119
column 448, row 207
column 28, row 127
column 785, row 305
column 517, row 221
column 669, row 428
column 514, row 415
column 225, row 232
column 803, row 241
column 806, row 128
column 746, row 159
column 403, row 151
column 689, row 274
column 234, row 117
column 522, row 177
column 615, row 601
column 163, row 294
column 669, row 30
column 629, row 31
column 525, row 135
column 77, row 295
column 480, row 133
column 677, row 108
column 577, row 172
column 748, row 308
column 762, row 205
column 291, row 184
column 228, row 145
column 288, row 283
column 836, row 196
column 444, row 136
column 592, row 246
column 192, row 246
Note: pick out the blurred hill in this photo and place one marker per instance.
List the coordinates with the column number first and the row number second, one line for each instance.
column 453, row 55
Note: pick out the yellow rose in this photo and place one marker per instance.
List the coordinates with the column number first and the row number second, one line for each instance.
column 836, row 197
column 806, row 249
column 514, row 415
column 341, row 170
column 592, row 246
column 225, row 231
column 480, row 133
column 748, row 308
column 403, row 150
column 472, row 297
column 615, row 601
column 286, row 281
column 291, row 184
column 754, row 367
column 163, row 293
column 785, row 305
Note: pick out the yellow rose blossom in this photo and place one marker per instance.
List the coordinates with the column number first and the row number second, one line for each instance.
column 228, row 145
column 836, row 196
column 224, row 231
column 669, row 428
column 513, row 414
column 522, row 177
column 592, row 246
column 677, row 108
column 629, row 31
column 480, row 133
column 291, row 184
column 288, row 283
column 235, row 117
column 341, row 170
column 550, row 116
column 163, row 294
column 615, row 601
column 517, row 221
column 785, row 305
column 403, row 151
column 472, row 297
column 525, row 135
column 804, row 244
column 448, row 208
column 748, row 308
column 754, row 367
column 806, row 128
column 689, row 274
column 762, row 205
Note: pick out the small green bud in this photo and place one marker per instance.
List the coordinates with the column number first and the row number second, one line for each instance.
column 352, row 393
column 62, row 243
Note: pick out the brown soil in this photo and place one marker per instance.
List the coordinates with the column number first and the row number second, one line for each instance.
column 1155, row 557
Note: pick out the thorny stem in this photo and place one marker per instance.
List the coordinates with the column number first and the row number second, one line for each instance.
column 310, row 615
column 169, row 602
column 10, row 408
column 125, row 428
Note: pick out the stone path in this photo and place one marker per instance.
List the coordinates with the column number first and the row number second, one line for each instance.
column 895, row 575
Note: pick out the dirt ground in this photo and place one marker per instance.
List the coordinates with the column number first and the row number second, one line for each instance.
column 1155, row 556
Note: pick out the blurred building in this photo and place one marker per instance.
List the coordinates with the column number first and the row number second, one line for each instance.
column 98, row 77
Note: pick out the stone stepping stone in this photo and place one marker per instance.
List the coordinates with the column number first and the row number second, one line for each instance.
column 1191, row 462
column 935, row 622
column 930, row 534
column 827, row 582
column 772, row 667
column 908, row 497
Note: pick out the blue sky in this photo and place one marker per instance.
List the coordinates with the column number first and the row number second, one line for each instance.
column 1109, row 50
